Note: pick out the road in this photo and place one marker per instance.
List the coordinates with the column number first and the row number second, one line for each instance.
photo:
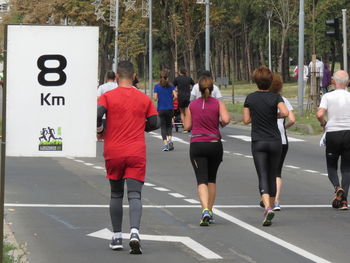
column 58, row 207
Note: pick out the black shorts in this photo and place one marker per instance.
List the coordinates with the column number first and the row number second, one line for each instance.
column 183, row 102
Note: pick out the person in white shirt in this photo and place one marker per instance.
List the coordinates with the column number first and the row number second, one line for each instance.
column 196, row 94
column 276, row 87
column 319, row 68
column 109, row 85
column 336, row 105
column 305, row 75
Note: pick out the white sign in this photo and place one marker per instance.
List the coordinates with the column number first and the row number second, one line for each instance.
column 51, row 90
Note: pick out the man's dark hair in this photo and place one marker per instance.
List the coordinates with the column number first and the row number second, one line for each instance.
column 206, row 73
column 125, row 70
column 183, row 71
column 110, row 75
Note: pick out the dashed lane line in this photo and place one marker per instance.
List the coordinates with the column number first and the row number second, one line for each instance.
column 192, row 201
column 177, row 195
column 311, row 171
column 162, row 189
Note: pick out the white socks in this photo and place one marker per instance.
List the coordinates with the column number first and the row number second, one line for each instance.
column 134, row 231
column 117, row 235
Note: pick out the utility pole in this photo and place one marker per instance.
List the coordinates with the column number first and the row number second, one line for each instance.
column 269, row 15
column 116, row 35
column 301, row 59
column 207, row 34
column 150, row 52
column 345, row 42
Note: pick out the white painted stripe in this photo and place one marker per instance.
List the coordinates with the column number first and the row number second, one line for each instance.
column 99, row 167
column 223, row 140
column 325, row 174
column 291, row 139
column 248, row 156
column 149, row 184
column 155, row 206
column 79, row 161
column 311, row 171
column 270, row 237
column 89, row 164
column 291, row 166
column 241, row 137
column 162, row 189
column 187, row 241
column 70, row 158
column 177, row 195
column 227, row 152
column 238, row 154
column 192, row 201
column 175, row 139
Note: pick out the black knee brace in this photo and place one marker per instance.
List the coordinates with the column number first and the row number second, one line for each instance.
column 117, row 194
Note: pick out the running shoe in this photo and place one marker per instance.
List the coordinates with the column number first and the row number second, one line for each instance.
column 116, row 243
column 205, row 218
column 268, row 214
column 276, row 207
column 339, row 192
column 165, row 148
column 344, row 205
column 171, row 146
column 135, row 246
column 211, row 220
column 262, row 204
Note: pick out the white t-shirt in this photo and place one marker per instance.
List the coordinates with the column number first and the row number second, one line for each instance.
column 196, row 94
column 280, row 122
column 319, row 68
column 106, row 87
column 337, row 104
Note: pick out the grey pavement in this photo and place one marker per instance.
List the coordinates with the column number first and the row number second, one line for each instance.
column 59, row 234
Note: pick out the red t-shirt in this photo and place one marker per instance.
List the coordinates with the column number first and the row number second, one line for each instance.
column 127, row 110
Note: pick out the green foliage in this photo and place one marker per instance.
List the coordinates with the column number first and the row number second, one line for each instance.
column 8, row 254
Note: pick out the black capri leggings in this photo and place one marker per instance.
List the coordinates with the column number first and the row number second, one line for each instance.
column 267, row 156
column 283, row 157
column 166, row 126
column 206, row 158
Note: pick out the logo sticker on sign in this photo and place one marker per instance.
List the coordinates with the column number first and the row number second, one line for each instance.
column 49, row 141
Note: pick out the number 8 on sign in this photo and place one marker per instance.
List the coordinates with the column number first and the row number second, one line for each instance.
column 56, row 70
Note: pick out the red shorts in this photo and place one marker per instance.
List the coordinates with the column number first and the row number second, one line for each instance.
column 126, row 167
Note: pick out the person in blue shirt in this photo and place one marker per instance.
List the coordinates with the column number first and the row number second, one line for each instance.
column 164, row 93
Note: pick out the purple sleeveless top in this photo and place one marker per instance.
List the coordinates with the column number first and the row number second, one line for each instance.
column 205, row 120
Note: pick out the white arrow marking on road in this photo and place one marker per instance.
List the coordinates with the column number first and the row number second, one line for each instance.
column 187, row 241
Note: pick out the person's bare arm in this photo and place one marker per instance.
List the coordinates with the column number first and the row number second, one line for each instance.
column 291, row 119
column 225, row 117
column 283, row 111
column 246, row 116
column 320, row 115
column 188, row 120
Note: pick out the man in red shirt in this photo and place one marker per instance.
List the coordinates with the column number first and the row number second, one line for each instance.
column 129, row 114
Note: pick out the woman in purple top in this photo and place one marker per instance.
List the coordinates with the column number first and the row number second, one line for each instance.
column 203, row 117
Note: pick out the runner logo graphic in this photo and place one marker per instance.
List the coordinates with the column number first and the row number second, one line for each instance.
column 48, row 140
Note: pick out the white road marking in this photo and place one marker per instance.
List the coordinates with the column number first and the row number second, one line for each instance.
column 291, row 166
column 175, row 139
column 192, row 201
column 162, row 189
column 149, row 184
column 311, row 171
column 187, row 241
column 270, row 237
column 177, row 195
column 227, row 152
column 291, row 139
column 99, row 167
column 89, row 164
column 248, row 156
column 249, row 139
column 70, row 158
column 238, row 154
column 153, row 206
column 79, row 161
column 325, row 174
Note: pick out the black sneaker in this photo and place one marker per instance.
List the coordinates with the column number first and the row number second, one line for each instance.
column 135, row 246
column 116, row 243
column 338, row 197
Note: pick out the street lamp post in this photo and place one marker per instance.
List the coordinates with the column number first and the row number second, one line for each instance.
column 116, row 35
column 301, row 60
column 345, row 42
column 269, row 15
column 150, row 52
column 207, row 34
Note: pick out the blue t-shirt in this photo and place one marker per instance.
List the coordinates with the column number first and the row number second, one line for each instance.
column 165, row 97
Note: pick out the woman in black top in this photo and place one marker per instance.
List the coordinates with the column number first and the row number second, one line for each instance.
column 262, row 108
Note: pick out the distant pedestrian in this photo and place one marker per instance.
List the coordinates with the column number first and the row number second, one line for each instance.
column 261, row 109
column 305, row 76
column 336, row 105
column 276, row 87
column 129, row 113
column 110, row 84
column 195, row 93
column 317, row 72
column 183, row 83
column 164, row 93
column 326, row 80
column 203, row 117
column 136, row 82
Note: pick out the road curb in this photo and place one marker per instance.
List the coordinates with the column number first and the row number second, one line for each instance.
column 20, row 251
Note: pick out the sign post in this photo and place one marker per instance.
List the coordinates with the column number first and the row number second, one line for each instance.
column 49, row 94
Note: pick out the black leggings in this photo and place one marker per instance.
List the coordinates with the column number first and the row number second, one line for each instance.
column 267, row 156
column 283, row 157
column 116, row 203
column 166, row 126
column 206, row 158
column 338, row 145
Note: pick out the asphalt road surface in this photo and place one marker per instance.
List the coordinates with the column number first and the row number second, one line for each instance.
column 58, row 208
